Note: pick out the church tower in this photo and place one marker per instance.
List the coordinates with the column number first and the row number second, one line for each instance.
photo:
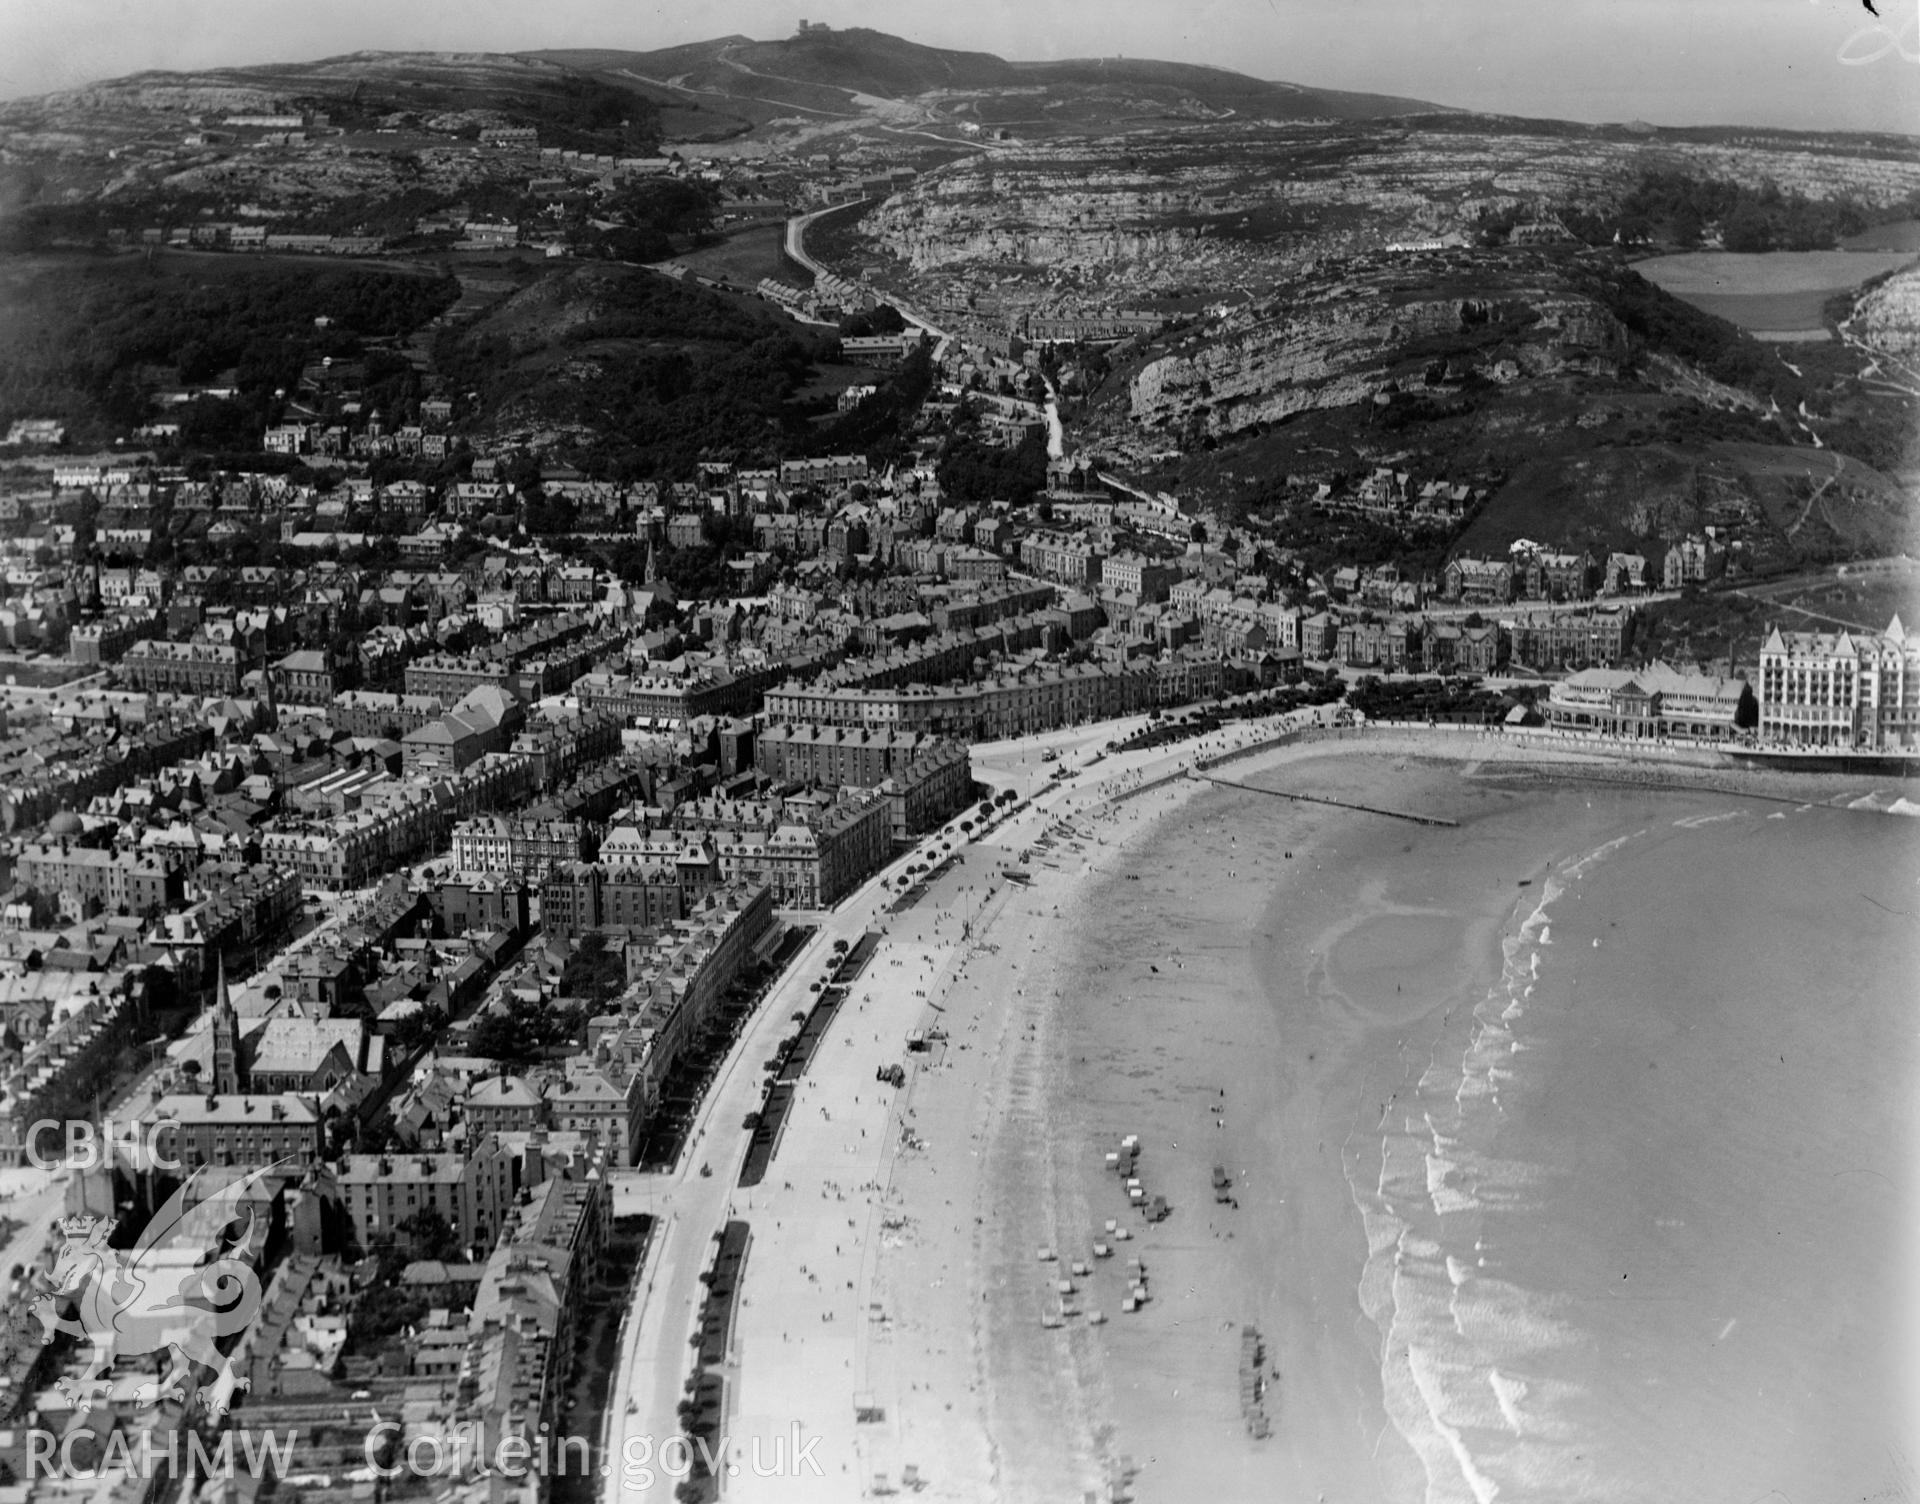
column 661, row 590
column 227, row 1072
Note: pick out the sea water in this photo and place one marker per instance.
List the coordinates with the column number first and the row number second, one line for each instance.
column 1637, row 1225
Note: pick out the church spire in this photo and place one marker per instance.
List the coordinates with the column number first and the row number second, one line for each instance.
column 226, row 1037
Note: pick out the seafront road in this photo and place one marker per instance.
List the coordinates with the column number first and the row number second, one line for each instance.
column 655, row 1352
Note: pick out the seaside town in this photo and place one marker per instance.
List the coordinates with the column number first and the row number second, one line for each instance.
column 416, row 897
column 416, row 827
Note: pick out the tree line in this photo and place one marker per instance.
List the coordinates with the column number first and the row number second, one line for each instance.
column 82, row 340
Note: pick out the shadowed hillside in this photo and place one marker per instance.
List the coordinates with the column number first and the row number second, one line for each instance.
column 822, row 71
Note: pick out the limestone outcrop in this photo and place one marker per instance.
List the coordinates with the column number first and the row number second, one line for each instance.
column 1887, row 316
column 1336, row 341
column 1225, row 196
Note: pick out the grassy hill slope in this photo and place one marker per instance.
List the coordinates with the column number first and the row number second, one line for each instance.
column 823, row 71
column 641, row 374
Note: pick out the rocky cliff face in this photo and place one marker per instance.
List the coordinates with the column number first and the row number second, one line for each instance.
column 1045, row 207
column 1336, row 341
column 1209, row 198
column 1887, row 317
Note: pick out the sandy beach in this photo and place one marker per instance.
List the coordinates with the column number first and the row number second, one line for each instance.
column 1246, row 983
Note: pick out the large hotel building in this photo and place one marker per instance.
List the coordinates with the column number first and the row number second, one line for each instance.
column 1857, row 690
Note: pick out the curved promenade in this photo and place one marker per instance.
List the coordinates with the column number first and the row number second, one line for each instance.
column 855, row 1318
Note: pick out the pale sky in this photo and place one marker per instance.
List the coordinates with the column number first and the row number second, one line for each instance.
column 1671, row 62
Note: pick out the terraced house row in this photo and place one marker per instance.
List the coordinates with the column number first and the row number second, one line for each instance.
column 1042, row 697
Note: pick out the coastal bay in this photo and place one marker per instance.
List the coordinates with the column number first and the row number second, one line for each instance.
column 1304, row 954
column 1403, row 1049
column 1426, row 1243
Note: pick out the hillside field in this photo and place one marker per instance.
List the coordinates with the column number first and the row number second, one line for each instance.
column 1772, row 291
column 748, row 256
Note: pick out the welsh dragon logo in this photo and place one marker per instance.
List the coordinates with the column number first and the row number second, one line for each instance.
column 128, row 1303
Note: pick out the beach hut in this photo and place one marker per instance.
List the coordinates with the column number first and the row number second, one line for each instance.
column 1079, row 1268
column 1063, row 1287
column 1047, row 1255
column 1102, row 1251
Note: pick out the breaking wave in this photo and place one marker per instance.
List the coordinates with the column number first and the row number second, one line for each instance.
column 1465, row 1350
